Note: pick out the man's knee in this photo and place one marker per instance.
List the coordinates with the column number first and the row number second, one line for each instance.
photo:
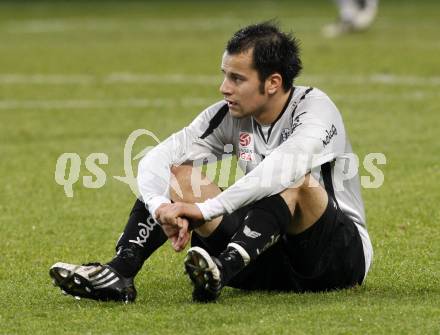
column 182, row 173
column 189, row 184
column 292, row 196
column 306, row 202
column 302, row 192
column 180, row 183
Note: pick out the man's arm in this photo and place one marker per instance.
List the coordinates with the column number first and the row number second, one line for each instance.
column 191, row 143
column 319, row 139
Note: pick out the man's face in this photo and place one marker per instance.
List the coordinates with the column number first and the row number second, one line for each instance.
column 241, row 85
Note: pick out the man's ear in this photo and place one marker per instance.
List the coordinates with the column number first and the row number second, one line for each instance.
column 273, row 83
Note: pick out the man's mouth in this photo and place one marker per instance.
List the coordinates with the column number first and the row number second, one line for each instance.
column 231, row 103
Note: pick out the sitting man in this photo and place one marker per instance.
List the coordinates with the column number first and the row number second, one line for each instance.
column 294, row 222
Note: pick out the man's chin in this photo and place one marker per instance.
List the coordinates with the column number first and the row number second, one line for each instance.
column 236, row 113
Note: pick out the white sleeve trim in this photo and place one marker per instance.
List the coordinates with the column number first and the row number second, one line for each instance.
column 210, row 208
column 154, row 203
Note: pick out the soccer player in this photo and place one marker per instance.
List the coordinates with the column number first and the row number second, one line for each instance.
column 354, row 15
column 294, row 222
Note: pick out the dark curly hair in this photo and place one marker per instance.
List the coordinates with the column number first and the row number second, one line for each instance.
column 273, row 51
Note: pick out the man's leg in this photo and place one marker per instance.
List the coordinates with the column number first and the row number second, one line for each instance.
column 320, row 246
column 321, row 250
column 141, row 237
column 195, row 187
column 114, row 280
column 292, row 212
column 234, row 240
column 259, row 227
column 306, row 204
column 307, row 215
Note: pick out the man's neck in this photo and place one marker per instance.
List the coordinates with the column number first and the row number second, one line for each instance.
column 273, row 108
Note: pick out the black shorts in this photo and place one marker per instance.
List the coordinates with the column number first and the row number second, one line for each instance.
column 328, row 255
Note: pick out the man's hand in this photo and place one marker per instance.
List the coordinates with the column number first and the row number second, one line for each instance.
column 168, row 213
column 181, row 238
column 174, row 220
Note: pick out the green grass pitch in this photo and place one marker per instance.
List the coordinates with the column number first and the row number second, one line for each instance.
column 81, row 76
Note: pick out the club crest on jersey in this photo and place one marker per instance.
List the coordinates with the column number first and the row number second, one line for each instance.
column 285, row 133
column 246, row 147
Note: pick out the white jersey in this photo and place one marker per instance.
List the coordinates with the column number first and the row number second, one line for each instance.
column 308, row 136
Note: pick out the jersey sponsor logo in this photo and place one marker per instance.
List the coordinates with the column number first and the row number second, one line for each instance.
column 329, row 135
column 246, row 150
column 245, row 139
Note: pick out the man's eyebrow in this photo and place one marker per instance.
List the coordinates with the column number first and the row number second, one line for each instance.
column 234, row 74
column 238, row 75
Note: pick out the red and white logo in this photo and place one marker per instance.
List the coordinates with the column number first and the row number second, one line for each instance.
column 246, row 151
column 245, row 139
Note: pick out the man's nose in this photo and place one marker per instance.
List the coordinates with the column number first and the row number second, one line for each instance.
column 225, row 88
